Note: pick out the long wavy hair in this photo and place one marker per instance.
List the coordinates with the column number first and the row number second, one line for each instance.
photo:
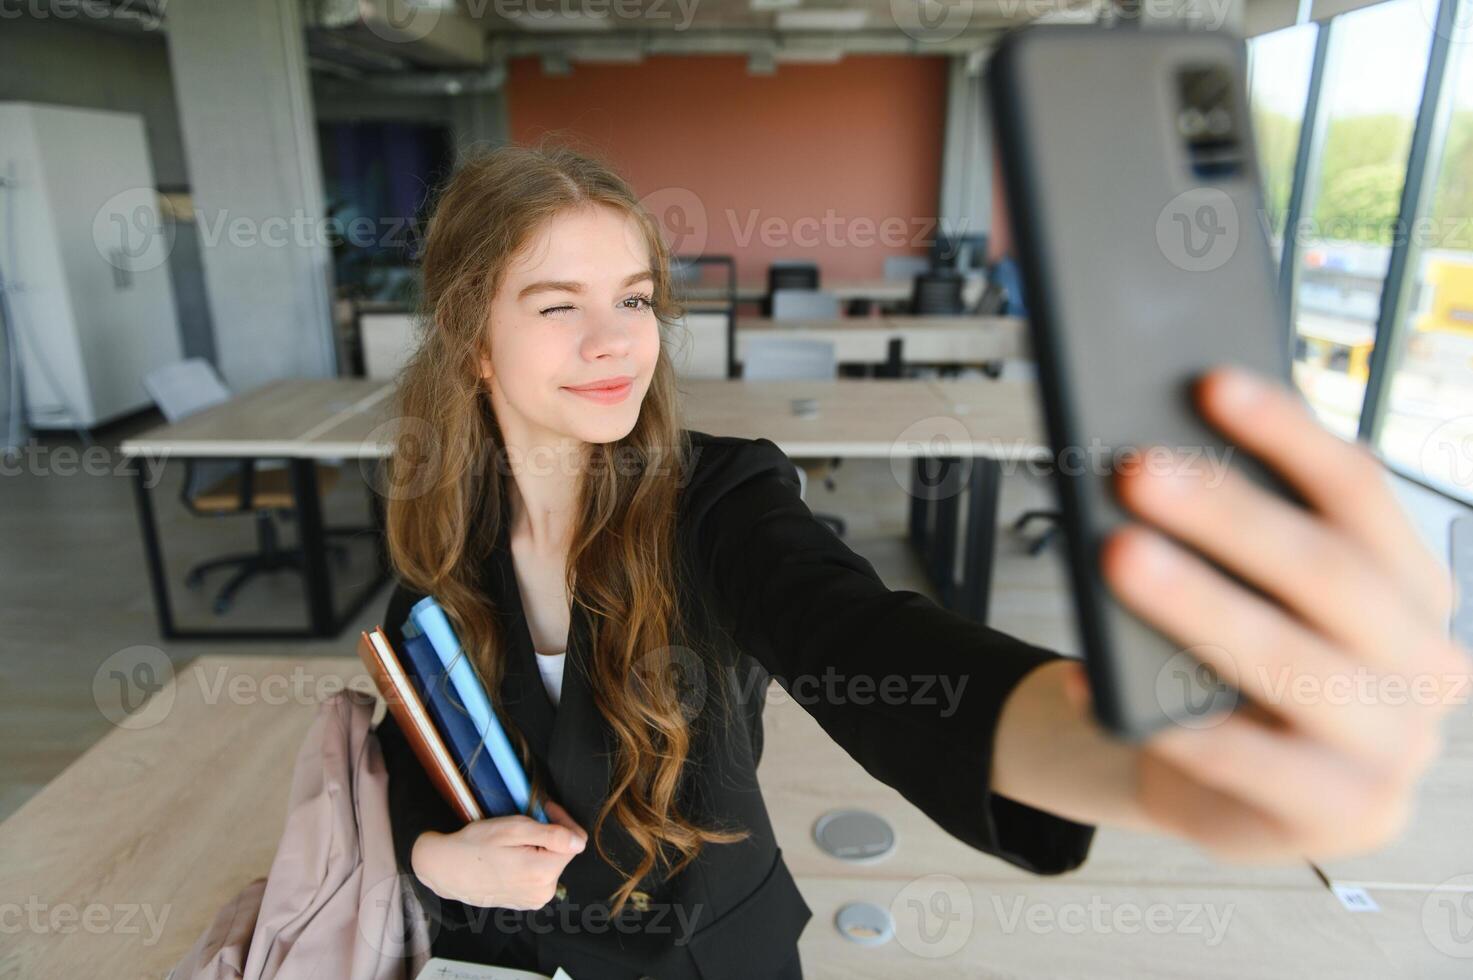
column 622, row 565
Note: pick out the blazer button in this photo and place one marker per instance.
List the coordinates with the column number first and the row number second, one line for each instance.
column 640, row 900
column 562, row 891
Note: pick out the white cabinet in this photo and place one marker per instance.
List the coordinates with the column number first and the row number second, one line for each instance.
column 84, row 254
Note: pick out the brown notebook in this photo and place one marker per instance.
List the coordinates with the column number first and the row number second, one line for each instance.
column 419, row 730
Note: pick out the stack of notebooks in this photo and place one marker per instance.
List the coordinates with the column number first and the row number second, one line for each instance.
column 447, row 717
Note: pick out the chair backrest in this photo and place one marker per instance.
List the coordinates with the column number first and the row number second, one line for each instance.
column 906, row 266
column 388, row 341
column 185, row 387
column 180, row 390
column 804, row 304
column 700, row 346
column 789, row 359
column 788, row 274
column 937, row 293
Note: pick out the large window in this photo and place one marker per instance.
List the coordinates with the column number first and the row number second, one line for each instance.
column 1279, row 67
column 1427, row 429
column 1372, row 88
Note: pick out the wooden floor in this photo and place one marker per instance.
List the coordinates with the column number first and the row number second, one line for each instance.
column 73, row 589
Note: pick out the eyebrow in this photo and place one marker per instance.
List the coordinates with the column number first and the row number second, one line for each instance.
column 555, row 285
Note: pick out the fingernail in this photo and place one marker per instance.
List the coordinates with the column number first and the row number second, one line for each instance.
column 1238, row 390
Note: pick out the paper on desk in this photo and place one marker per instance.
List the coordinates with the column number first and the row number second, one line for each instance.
column 443, row 969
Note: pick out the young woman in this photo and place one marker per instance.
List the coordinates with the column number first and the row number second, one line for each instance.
column 625, row 587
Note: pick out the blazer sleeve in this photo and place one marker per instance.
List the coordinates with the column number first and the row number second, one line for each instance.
column 804, row 605
column 415, row 806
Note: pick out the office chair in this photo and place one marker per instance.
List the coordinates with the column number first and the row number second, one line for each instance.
column 938, row 294
column 230, row 487
column 788, row 274
column 798, row 359
column 804, row 304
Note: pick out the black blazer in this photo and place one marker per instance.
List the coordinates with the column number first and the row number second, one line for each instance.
column 781, row 595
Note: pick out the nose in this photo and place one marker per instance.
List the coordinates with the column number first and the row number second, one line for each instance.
column 608, row 336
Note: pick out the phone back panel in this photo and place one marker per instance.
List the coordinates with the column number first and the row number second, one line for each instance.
column 1145, row 262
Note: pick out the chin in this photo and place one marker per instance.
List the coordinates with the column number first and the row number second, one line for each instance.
column 607, row 427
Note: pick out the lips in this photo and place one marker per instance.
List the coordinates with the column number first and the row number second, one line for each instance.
column 609, row 391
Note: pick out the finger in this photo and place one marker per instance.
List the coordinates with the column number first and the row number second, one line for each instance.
column 563, row 818
column 534, row 833
column 1342, row 480
column 1327, row 803
column 1300, row 560
column 1253, row 645
column 1182, row 806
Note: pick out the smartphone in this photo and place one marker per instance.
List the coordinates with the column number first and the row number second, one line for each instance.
column 1131, row 179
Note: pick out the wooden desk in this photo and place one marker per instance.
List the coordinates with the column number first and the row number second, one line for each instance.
column 279, row 420
column 165, row 823
column 942, row 454
column 923, row 339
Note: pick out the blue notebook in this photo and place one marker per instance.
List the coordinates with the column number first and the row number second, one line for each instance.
column 426, row 618
column 454, row 725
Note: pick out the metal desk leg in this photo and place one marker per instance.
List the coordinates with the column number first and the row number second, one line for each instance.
column 920, row 504
column 942, row 551
column 976, row 588
column 314, row 546
column 152, row 553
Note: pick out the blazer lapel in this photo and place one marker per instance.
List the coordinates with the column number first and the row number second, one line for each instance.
column 569, row 739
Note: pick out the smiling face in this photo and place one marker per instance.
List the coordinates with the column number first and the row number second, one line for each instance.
column 573, row 309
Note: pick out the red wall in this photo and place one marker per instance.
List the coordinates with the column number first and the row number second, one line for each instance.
column 837, row 163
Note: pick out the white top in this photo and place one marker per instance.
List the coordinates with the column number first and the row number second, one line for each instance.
column 550, row 665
